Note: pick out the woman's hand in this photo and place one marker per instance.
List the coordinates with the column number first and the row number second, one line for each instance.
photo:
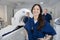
column 41, row 39
column 26, row 34
column 48, row 37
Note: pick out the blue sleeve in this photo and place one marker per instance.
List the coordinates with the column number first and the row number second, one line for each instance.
column 48, row 29
column 25, row 19
column 50, row 17
column 27, row 26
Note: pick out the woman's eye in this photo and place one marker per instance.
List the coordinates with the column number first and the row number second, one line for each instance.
column 37, row 9
column 33, row 9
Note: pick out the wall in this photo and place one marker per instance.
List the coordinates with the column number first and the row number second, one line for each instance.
column 6, row 12
column 2, row 12
column 9, row 14
column 56, row 9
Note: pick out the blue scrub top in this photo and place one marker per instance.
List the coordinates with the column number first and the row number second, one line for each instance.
column 47, row 17
column 25, row 20
column 47, row 29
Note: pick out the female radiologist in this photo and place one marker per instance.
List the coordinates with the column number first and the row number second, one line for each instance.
column 37, row 28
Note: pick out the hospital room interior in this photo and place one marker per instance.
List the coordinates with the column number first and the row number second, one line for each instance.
column 13, row 12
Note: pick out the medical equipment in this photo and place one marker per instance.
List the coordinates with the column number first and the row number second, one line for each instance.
column 11, row 32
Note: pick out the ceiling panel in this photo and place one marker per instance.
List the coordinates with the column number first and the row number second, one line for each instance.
column 47, row 3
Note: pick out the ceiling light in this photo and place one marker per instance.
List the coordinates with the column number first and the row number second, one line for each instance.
column 41, row 2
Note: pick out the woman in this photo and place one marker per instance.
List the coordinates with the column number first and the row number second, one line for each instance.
column 37, row 28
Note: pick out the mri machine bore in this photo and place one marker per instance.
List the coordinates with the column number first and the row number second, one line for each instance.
column 57, row 28
column 15, row 31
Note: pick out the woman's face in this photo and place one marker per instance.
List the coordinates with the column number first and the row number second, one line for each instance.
column 36, row 10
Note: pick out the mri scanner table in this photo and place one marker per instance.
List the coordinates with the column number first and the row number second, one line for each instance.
column 15, row 35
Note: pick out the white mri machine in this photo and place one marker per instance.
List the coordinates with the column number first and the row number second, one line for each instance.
column 9, row 33
column 57, row 28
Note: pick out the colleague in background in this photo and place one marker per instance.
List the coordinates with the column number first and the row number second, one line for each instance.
column 47, row 16
column 37, row 28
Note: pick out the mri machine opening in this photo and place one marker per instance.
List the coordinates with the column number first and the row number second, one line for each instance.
column 15, row 31
column 57, row 28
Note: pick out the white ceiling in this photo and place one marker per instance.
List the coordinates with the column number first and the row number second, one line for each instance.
column 28, row 3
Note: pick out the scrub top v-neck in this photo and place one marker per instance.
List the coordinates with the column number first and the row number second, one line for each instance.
column 34, row 34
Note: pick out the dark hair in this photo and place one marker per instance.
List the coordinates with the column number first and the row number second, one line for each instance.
column 40, row 17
